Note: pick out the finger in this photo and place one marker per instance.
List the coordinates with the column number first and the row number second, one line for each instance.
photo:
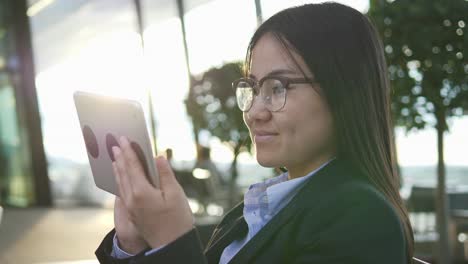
column 118, row 181
column 120, row 166
column 167, row 179
column 133, row 165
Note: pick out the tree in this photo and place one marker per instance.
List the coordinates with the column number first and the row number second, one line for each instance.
column 211, row 104
column 426, row 47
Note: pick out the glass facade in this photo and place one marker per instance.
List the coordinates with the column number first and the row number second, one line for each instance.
column 81, row 45
column 270, row 7
column 16, row 174
column 219, row 32
column 167, row 76
column 51, row 48
column 96, row 46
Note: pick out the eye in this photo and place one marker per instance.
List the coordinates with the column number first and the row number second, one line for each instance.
column 277, row 87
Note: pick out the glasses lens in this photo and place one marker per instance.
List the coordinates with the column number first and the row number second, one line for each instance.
column 244, row 95
column 273, row 94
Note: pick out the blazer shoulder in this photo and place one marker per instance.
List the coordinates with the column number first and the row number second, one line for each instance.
column 357, row 223
column 361, row 189
column 349, row 195
column 358, row 196
column 361, row 193
column 358, row 209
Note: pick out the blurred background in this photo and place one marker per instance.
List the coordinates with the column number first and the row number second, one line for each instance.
column 178, row 59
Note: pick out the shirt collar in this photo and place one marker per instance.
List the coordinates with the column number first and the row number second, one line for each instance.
column 286, row 188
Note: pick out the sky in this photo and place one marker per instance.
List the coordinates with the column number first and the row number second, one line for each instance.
column 110, row 60
column 419, row 148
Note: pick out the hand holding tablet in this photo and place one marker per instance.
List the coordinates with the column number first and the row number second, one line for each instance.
column 103, row 121
column 121, row 160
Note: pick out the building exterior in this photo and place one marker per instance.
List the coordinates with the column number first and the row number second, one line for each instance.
column 23, row 170
column 51, row 48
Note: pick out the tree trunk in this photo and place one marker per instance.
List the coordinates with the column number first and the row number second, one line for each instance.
column 195, row 131
column 441, row 201
column 234, row 174
column 396, row 163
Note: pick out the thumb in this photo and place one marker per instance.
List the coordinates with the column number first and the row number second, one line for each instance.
column 167, row 178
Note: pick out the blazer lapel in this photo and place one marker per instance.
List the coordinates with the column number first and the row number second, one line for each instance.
column 231, row 228
column 329, row 176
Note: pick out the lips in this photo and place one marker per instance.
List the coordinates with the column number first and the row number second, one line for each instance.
column 262, row 136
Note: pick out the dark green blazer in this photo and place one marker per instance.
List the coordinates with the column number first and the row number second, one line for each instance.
column 334, row 218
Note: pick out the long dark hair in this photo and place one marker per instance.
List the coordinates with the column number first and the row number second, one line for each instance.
column 343, row 51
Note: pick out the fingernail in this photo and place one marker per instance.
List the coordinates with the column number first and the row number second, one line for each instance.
column 123, row 140
column 116, row 150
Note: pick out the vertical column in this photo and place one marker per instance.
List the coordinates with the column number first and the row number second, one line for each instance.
column 181, row 12
column 258, row 9
column 26, row 99
column 141, row 29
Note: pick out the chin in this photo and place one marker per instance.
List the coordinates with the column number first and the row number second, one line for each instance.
column 268, row 161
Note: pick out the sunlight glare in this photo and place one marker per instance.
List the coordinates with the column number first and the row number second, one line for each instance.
column 219, row 32
column 419, row 148
column 167, row 73
column 109, row 64
column 271, row 7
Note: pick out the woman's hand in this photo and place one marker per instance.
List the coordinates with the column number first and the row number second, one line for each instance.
column 128, row 236
column 160, row 215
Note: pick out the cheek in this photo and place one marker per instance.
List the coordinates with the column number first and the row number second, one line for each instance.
column 313, row 126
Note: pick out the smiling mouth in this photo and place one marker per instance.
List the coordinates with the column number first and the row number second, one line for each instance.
column 264, row 138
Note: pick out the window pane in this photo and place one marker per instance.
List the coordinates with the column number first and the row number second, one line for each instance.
column 16, row 176
column 219, row 32
column 81, row 45
column 168, row 77
column 271, row 7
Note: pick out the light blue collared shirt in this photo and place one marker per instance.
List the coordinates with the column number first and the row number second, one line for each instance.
column 261, row 202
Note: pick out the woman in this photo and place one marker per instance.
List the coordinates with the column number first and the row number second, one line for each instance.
column 316, row 101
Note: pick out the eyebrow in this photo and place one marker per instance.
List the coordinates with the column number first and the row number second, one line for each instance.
column 275, row 73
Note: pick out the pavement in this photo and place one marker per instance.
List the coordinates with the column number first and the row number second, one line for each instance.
column 67, row 235
column 53, row 235
column 70, row 234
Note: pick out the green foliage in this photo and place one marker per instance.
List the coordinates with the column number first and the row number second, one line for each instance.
column 211, row 104
column 426, row 47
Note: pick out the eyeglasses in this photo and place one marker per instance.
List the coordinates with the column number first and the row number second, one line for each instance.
column 272, row 90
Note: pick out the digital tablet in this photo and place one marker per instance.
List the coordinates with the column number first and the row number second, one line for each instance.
column 103, row 120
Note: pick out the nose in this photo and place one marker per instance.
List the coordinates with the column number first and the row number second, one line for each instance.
column 258, row 111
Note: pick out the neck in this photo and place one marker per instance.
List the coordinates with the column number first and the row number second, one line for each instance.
column 304, row 169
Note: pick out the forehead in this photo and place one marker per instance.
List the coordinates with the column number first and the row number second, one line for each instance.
column 269, row 55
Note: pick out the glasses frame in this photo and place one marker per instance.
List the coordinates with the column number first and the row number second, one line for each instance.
column 286, row 81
